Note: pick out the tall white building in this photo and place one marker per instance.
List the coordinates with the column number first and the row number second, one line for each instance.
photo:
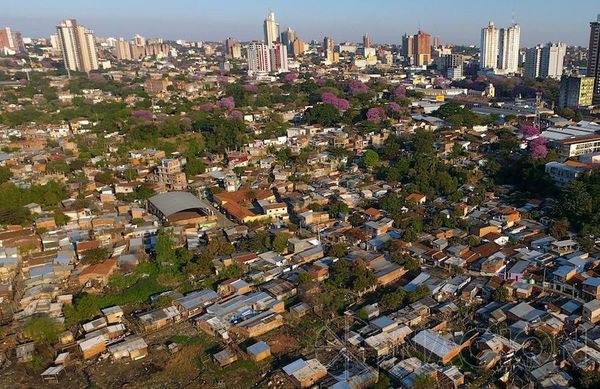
column 488, row 54
column 263, row 58
column 545, row 61
column 508, row 49
column 271, row 28
column 259, row 59
column 122, row 50
column 553, row 59
column 78, row 46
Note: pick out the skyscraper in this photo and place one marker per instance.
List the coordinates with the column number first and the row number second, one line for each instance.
column 122, row 50
column 278, row 57
column 11, row 40
column 328, row 49
column 422, row 48
column 287, row 38
column 78, row 46
column 139, row 40
column 298, row 47
column 499, row 49
column 367, row 41
column 593, row 66
column 553, row 59
column 407, row 48
column 233, row 49
column 271, row 29
column 259, row 60
column 508, row 49
column 488, row 54
column 545, row 61
column 263, row 58
column 533, row 61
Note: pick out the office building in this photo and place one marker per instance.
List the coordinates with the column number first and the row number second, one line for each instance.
column 576, row 92
column 233, row 49
column 367, row 41
column 422, row 48
column 407, row 48
column 271, row 29
column 11, row 41
column 437, row 42
column 78, row 46
column 448, row 61
column 122, row 50
column 593, row 66
column 508, row 49
column 450, row 65
column 488, row 54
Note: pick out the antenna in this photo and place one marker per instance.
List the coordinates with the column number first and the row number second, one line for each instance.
column 514, row 19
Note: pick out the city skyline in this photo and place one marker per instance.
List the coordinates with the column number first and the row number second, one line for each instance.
column 189, row 20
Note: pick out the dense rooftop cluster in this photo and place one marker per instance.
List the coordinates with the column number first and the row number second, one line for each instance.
column 338, row 224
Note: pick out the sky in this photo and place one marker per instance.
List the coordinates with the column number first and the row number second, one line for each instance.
column 455, row 21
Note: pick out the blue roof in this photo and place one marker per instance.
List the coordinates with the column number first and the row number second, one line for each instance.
column 382, row 322
column 593, row 281
column 571, row 306
column 258, row 348
column 563, row 271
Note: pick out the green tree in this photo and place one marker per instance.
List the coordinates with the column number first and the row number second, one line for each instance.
column 338, row 208
column 393, row 300
column 336, row 250
column 60, row 218
column 425, row 382
column 280, row 242
column 500, row 294
column 5, row 174
column 95, row 255
column 194, row 166
column 325, row 114
column 42, row 328
column 370, row 158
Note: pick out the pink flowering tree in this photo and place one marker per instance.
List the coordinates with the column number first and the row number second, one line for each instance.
column 290, row 77
column 400, row 91
column 235, row 114
column 227, row 102
column 357, row 87
column 142, row 114
column 250, row 88
column 320, row 81
column 375, row 114
column 439, row 81
column 538, row 148
column 529, row 131
column 330, row 98
column 394, row 107
column 206, row 107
